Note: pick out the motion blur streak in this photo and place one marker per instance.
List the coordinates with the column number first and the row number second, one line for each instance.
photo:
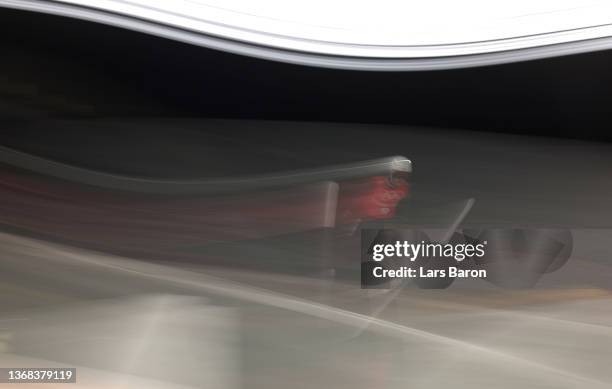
column 259, row 288
column 195, row 187
column 157, row 225
column 355, row 40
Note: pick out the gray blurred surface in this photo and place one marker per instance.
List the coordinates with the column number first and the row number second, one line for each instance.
column 207, row 327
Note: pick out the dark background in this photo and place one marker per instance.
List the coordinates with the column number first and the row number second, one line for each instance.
column 58, row 67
